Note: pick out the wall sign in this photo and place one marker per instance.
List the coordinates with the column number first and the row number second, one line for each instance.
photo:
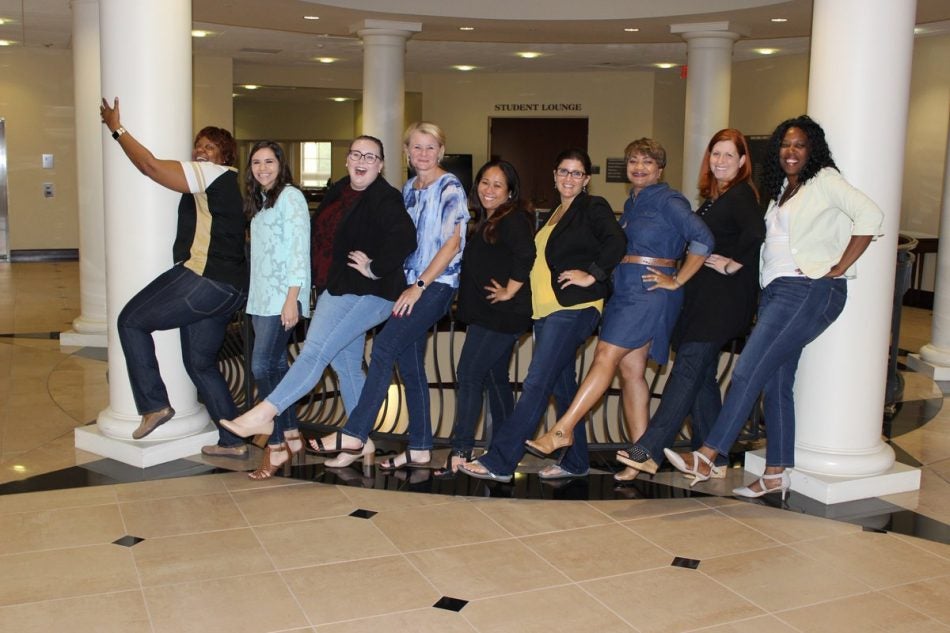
column 539, row 107
column 617, row 170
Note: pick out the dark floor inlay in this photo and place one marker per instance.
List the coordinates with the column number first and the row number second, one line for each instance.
column 873, row 529
column 54, row 336
column 363, row 514
column 128, row 541
column 450, row 604
column 688, row 563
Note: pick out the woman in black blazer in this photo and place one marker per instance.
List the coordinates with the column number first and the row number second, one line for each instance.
column 581, row 243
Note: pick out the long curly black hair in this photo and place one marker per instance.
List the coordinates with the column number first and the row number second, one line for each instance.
column 819, row 154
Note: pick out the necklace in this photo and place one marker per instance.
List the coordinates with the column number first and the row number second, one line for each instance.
column 788, row 193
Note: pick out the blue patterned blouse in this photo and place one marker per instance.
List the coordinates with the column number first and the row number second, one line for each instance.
column 280, row 255
column 436, row 211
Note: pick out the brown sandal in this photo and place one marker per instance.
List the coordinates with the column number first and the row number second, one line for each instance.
column 267, row 469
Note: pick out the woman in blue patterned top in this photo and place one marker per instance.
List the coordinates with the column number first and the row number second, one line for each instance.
column 438, row 206
column 280, row 267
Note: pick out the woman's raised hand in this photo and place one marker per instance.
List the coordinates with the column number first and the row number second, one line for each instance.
column 497, row 292
column 575, row 278
column 361, row 263
column 722, row 265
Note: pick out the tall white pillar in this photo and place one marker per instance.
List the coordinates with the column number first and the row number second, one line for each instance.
column 708, row 84
column 89, row 328
column 934, row 357
column 146, row 62
column 839, row 392
column 384, row 81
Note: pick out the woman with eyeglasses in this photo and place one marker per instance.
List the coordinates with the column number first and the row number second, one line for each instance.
column 437, row 203
column 577, row 248
column 360, row 237
column 638, row 320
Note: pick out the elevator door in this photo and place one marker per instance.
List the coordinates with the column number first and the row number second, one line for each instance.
column 531, row 145
column 4, row 235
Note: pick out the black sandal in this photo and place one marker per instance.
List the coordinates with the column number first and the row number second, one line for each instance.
column 447, row 472
column 390, row 462
column 316, row 447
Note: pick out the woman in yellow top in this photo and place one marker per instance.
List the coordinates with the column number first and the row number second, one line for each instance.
column 581, row 243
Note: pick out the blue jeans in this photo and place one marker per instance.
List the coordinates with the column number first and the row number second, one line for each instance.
column 552, row 371
column 337, row 337
column 691, row 389
column 402, row 342
column 201, row 308
column 483, row 365
column 269, row 365
column 793, row 311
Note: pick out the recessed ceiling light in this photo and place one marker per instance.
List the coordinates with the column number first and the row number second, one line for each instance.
column 631, row 29
column 918, row 30
column 765, row 51
column 3, row 21
column 6, row 43
column 528, row 54
column 327, row 60
column 466, row 28
column 250, row 86
column 779, row 19
column 197, row 33
column 339, row 99
column 311, row 17
column 665, row 65
column 464, row 67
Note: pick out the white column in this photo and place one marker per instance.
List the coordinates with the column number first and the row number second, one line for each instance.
column 89, row 328
column 936, row 353
column 708, row 85
column 384, row 62
column 839, row 393
column 146, row 62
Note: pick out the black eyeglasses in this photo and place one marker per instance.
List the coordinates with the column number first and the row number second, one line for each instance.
column 356, row 156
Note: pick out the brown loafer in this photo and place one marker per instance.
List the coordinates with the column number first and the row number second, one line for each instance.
column 234, row 452
column 151, row 421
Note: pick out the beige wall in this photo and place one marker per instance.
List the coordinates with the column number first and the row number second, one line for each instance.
column 619, row 107
column 669, row 116
column 36, row 101
column 212, row 103
column 925, row 160
column 767, row 91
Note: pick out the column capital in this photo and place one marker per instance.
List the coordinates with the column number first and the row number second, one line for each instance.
column 386, row 27
column 725, row 30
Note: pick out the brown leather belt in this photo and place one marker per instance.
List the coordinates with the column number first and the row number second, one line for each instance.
column 648, row 261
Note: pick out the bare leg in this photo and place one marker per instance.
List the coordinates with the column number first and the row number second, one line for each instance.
column 257, row 421
column 636, row 391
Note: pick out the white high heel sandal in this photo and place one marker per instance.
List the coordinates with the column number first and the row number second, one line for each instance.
column 749, row 493
column 680, row 464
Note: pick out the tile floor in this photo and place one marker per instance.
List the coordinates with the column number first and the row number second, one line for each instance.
column 218, row 552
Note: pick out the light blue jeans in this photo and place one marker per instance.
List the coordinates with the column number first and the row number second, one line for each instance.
column 336, row 337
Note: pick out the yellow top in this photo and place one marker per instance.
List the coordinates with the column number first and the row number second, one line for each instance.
column 543, row 300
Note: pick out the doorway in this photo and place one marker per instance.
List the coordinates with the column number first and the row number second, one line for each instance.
column 532, row 145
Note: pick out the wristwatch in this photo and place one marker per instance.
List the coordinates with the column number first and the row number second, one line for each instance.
column 420, row 284
column 119, row 131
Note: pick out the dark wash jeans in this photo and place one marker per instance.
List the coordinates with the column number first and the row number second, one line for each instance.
column 201, row 308
column 269, row 365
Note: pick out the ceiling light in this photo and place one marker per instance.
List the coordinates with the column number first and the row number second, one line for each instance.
column 466, row 28
column 630, row 29
column 197, row 33
column 311, row 17
column 918, row 30
column 6, row 43
column 327, row 60
column 339, row 99
column 3, row 21
column 250, row 86
column 665, row 65
column 765, row 51
column 464, row 67
column 779, row 19
column 528, row 54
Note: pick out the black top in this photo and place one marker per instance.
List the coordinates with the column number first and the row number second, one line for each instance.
column 510, row 257
column 378, row 225
column 716, row 307
column 214, row 248
column 588, row 238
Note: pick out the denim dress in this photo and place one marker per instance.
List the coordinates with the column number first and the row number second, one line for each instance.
column 658, row 223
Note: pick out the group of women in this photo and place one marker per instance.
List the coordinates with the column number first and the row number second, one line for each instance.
column 662, row 274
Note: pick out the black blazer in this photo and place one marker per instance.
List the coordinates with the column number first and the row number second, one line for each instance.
column 378, row 225
column 586, row 238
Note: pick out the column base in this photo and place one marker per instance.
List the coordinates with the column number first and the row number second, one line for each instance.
column 927, row 368
column 186, row 423
column 72, row 338
column 829, row 489
column 139, row 453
